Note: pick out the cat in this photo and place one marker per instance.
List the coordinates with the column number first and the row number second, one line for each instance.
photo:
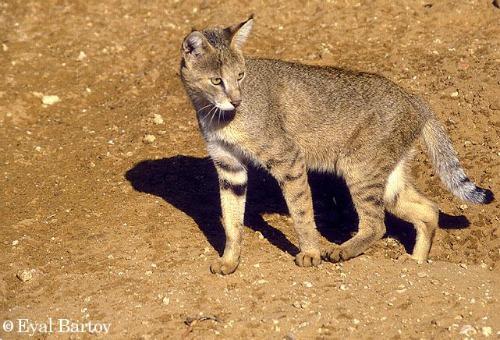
column 290, row 118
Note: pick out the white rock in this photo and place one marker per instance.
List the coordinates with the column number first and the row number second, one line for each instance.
column 158, row 119
column 50, row 100
column 15, row 242
column 25, row 275
column 454, row 94
column 165, row 301
column 259, row 235
column 486, row 331
column 148, row 139
column 82, row 56
column 307, row 284
column 467, row 330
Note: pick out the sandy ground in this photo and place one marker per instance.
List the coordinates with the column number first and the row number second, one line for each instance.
column 106, row 228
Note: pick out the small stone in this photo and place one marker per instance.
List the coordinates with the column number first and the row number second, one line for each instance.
column 15, row 242
column 148, row 273
column 463, row 265
column 467, row 330
column 261, row 281
column 454, row 94
column 82, row 56
column 486, row 331
column 259, row 235
column 355, row 321
column 165, row 301
column 467, row 143
column 307, row 284
column 422, row 274
column 158, row 119
column 297, row 305
column 343, row 287
column 463, row 206
column 149, row 139
column 25, row 275
column 50, row 100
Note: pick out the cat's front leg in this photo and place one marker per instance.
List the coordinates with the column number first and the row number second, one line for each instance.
column 289, row 168
column 233, row 186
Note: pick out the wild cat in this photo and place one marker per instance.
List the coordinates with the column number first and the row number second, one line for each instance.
column 290, row 118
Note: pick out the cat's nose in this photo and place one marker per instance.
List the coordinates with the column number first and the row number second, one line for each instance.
column 236, row 102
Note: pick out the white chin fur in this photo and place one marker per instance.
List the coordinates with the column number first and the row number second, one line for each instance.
column 225, row 106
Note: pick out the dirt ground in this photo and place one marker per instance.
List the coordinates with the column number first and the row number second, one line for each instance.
column 104, row 227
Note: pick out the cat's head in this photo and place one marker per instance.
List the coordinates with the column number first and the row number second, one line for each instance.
column 213, row 67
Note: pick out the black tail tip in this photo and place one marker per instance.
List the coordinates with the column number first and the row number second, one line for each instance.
column 488, row 196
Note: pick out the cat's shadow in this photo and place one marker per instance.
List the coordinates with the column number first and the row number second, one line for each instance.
column 190, row 184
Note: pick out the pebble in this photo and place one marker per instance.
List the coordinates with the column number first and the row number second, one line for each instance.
column 25, row 275
column 15, row 242
column 486, row 331
column 463, row 265
column 148, row 139
column 165, row 301
column 467, row 330
column 82, row 56
column 422, row 274
column 158, row 119
column 307, row 284
column 463, row 206
column 50, row 100
column 259, row 235
column 343, row 287
column 454, row 94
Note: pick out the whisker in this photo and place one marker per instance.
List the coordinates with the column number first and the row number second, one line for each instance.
column 204, row 107
column 213, row 114
column 208, row 114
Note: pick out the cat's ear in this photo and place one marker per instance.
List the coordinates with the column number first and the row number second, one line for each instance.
column 195, row 44
column 240, row 32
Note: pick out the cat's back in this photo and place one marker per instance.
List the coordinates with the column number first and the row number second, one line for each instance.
column 324, row 86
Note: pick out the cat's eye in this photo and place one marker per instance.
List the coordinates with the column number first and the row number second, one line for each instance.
column 241, row 75
column 216, row 81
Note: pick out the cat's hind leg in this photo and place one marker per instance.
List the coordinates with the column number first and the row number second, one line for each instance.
column 405, row 202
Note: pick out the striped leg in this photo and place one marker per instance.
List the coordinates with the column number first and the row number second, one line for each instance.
column 289, row 169
column 233, row 186
column 367, row 195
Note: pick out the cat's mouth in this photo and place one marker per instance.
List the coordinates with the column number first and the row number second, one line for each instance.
column 227, row 106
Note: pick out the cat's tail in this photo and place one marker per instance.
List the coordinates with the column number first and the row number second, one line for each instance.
column 445, row 160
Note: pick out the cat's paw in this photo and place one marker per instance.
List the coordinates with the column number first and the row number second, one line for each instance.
column 308, row 258
column 223, row 267
column 404, row 258
column 336, row 254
